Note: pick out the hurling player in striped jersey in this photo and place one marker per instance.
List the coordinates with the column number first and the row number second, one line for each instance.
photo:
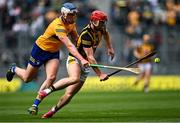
column 87, row 43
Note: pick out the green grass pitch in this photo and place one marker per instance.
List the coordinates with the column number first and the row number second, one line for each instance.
column 130, row 106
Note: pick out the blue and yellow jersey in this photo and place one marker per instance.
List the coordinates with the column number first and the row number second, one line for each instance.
column 49, row 41
column 88, row 39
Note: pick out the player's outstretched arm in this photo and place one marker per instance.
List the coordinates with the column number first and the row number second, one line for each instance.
column 72, row 49
column 137, row 52
column 110, row 50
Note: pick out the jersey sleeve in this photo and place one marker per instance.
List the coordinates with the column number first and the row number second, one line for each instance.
column 60, row 31
column 86, row 40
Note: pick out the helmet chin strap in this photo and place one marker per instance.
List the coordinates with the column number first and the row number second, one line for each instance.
column 63, row 19
column 93, row 26
column 96, row 26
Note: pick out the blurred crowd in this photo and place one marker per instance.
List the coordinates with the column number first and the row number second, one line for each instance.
column 146, row 12
column 138, row 17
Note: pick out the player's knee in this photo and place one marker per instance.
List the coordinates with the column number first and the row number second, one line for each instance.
column 75, row 79
column 27, row 79
column 48, row 84
column 51, row 78
column 69, row 95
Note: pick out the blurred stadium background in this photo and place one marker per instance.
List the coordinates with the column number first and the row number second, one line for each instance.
column 22, row 21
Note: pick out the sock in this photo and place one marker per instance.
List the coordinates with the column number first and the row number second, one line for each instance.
column 36, row 102
column 55, row 108
column 146, row 88
column 50, row 89
column 13, row 69
column 53, row 88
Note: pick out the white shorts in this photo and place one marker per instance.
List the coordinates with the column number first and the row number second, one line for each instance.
column 84, row 71
column 145, row 66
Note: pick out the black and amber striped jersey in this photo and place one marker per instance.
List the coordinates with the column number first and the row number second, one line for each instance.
column 144, row 49
column 89, row 38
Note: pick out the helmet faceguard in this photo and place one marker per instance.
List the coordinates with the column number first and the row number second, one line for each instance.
column 98, row 19
column 69, row 13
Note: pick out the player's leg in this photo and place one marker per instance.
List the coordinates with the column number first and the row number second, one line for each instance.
column 25, row 74
column 71, row 89
column 74, row 72
column 148, row 69
column 140, row 76
column 70, row 92
column 51, row 68
column 65, row 99
column 75, row 77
